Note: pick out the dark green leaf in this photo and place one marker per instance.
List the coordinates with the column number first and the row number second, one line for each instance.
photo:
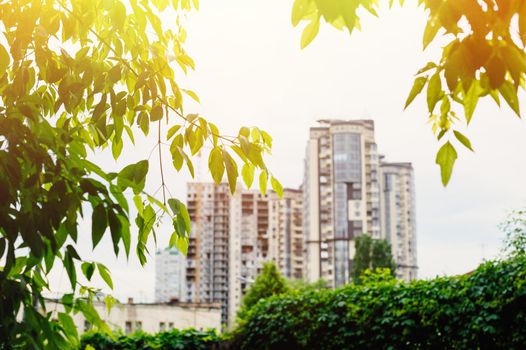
column 99, row 222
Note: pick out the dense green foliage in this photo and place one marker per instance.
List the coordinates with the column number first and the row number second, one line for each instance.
column 485, row 309
column 483, row 56
column 268, row 283
column 174, row 339
column 371, row 254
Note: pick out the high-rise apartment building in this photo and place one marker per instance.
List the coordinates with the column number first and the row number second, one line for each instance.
column 398, row 215
column 232, row 235
column 286, row 240
column 342, row 196
column 170, row 271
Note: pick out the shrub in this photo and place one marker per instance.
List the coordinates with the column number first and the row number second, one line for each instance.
column 485, row 309
column 174, row 339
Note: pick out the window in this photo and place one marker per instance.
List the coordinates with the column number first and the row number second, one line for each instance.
column 128, row 327
column 170, row 325
column 138, row 325
column 162, row 326
column 87, row 325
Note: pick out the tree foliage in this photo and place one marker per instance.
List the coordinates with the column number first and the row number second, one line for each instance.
column 371, row 254
column 77, row 77
column 484, row 56
column 481, row 310
column 514, row 226
column 268, row 283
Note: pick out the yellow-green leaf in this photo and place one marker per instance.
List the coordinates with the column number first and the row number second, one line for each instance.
column 4, row 60
column 418, row 85
column 463, row 140
column 509, row 92
column 156, row 113
column 276, row 186
column 231, row 170
column 216, row 165
column 446, row 157
column 247, row 171
column 434, row 91
column 105, row 274
column 310, row 32
column 263, row 180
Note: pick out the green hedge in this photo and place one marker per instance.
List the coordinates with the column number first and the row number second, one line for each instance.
column 175, row 339
column 483, row 310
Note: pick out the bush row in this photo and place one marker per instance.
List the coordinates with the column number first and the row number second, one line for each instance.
column 485, row 309
column 174, row 339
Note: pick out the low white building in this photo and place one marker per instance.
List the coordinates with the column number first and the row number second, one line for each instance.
column 151, row 318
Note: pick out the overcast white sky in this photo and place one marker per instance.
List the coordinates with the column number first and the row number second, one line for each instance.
column 250, row 71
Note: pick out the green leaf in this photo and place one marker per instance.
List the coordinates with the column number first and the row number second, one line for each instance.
column 116, row 148
column 115, row 229
column 216, row 165
column 463, row 140
column 247, row 171
column 263, row 180
column 180, row 242
column 125, row 233
column 134, row 176
column 418, row 85
column 434, row 91
column 88, row 269
column 446, row 157
column 310, row 32
column 179, row 209
column 4, row 60
column 99, row 222
column 105, row 274
column 276, row 186
column 69, row 265
column 70, row 330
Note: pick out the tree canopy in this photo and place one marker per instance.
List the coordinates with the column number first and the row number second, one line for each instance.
column 78, row 77
column 484, row 56
column 371, row 254
column 268, row 283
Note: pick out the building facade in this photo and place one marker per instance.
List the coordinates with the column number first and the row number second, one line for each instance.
column 232, row 235
column 398, row 215
column 170, row 276
column 342, row 196
column 151, row 318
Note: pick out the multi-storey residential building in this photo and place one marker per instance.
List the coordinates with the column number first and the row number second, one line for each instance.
column 170, row 271
column 232, row 235
column 398, row 215
column 286, row 240
column 341, row 196
column 207, row 256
